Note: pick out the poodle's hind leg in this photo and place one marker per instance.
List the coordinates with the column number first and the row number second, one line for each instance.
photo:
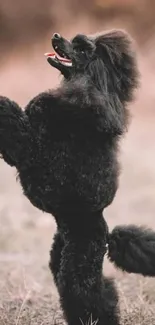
column 14, row 132
column 111, row 308
column 55, row 255
column 85, row 296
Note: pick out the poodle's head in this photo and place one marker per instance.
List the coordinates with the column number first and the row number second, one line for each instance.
column 106, row 59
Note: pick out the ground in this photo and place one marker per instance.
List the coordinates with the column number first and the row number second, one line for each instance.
column 27, row 292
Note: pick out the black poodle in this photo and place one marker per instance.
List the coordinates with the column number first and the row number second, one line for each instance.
column 64, row 146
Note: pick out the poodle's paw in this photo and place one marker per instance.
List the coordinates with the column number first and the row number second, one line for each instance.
column 9, row 115
column 13, row 130
column 8, row 109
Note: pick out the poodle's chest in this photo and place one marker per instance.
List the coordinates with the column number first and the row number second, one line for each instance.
column 57, row 177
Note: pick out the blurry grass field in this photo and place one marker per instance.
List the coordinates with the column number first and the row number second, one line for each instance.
column 27, row 292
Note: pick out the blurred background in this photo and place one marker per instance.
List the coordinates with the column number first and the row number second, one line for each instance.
column 27, row 292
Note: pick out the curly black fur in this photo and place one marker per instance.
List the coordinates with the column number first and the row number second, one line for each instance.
column 64, row 146
column 132, row 249
column 76, row 263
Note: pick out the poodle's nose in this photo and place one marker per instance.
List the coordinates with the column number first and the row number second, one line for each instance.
column 56, row 36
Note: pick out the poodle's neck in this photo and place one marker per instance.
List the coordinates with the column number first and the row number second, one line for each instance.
column 81, row 91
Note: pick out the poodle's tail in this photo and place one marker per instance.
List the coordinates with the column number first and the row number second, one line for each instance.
column 132, row 249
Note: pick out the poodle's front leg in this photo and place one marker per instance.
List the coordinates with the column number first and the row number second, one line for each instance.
column 14, row 132
column 84, row 293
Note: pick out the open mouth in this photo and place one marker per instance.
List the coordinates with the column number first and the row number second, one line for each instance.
column 60, row 56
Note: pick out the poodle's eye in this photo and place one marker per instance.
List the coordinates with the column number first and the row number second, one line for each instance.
column 79, row 50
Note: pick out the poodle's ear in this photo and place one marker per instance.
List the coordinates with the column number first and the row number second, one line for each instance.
column 115, row 48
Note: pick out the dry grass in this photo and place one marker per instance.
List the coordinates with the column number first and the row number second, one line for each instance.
column 34, row 306
column 30, row 312
column 137, row 304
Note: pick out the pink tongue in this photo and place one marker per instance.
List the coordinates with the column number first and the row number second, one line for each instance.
column 53, row 54
column 50, row 54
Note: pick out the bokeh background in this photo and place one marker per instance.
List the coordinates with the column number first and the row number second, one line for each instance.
column 27, row 293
